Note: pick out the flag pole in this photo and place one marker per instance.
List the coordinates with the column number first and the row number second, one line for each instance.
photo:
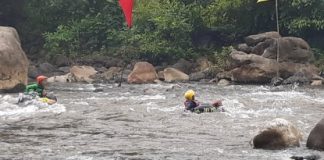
column 277, row 39
column 277, row 20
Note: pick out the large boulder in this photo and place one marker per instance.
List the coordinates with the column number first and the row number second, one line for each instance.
column 172, row 74
column 278, row 134
column 316, row 137
column 13, row 61
column 291, row 49
column 255, row 39
column 143, row 72
column 184, row 66
column 252, row 68
column 83, row 73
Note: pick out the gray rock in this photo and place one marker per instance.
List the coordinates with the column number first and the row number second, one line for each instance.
column 197, row 76
column 316, row 137
column 244, row 48
column 255, row 39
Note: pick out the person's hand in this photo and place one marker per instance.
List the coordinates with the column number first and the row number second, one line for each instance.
column 44, row 93
column 217, row 103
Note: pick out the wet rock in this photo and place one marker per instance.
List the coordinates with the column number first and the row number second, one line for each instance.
column 279, row 134
column 13, row 62
column 223, row 82
column 311, row 157
column 316, row 137
column 172, row 74
column 143, row 72
column 83, row 73
column 276, row 81
column 184, row 66
column 255, row 39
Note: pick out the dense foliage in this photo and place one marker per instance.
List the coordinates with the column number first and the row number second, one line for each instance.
column 163, row 29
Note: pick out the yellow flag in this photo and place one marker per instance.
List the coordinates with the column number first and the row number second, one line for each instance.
column 262, row 1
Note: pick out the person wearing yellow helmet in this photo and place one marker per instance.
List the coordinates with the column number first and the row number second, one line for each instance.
column 193, row 105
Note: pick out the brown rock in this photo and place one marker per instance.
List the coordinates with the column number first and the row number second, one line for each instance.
column 13, row 61
column 83, row 73
column 184, row 66
column 316, row 137
column 291, row 49
column 172, row 74
column 279, row 134
column 255, row 39
column 257, row 69
column 143, row 72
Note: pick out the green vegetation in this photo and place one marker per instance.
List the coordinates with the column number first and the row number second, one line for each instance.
column 164, row 30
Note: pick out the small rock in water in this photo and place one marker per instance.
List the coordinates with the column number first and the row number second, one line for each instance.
column 276, row 81
column 98, row 90
column 311, row 157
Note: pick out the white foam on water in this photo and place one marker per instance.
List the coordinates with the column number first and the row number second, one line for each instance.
column 263, row 97
column 80, row 103
column 154, row 106
column 234, row 108
column 79, row 158
column 139, row 98
column 9, row 108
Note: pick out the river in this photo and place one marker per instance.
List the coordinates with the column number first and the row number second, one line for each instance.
column 149, row 122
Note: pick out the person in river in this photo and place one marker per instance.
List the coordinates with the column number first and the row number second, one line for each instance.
column 38, row 89
column 195, row 106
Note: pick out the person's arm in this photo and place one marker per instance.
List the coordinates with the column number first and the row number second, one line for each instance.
column 190, row 105
column 31, row 88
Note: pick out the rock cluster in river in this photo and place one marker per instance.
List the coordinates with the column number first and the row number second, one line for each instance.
column 256, row 60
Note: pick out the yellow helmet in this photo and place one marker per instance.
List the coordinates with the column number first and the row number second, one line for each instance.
column 189, row 95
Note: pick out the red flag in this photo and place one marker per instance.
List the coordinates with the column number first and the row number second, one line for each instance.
column 127, row 6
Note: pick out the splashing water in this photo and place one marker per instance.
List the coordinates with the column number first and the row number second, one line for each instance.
column 149, row 122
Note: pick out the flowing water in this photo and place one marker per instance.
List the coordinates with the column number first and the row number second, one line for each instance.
column 148, row 122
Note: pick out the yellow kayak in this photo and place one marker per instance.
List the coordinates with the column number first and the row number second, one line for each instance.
column 47, row 100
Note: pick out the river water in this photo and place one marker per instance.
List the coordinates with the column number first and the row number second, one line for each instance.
column 148, row 122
